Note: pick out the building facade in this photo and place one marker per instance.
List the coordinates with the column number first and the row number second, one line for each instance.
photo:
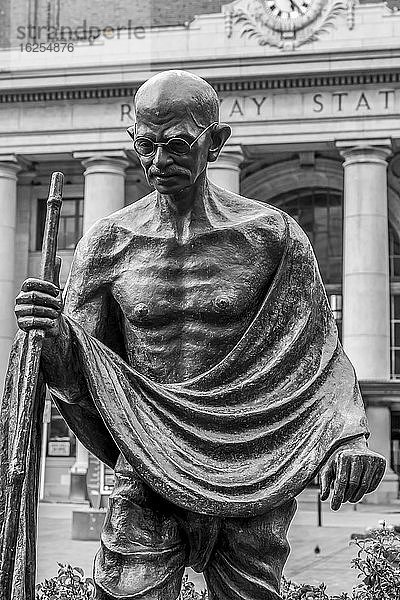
column 311, row 90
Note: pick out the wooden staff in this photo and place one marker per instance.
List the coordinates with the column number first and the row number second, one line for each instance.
column 18, row 535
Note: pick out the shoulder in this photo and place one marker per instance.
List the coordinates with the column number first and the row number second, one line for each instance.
column 109, row 235
column 249, row 215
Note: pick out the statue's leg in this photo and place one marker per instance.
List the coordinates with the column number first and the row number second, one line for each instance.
column 249, row 556
column 142, row 553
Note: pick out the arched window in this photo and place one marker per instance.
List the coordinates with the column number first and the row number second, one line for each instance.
column 319, row 212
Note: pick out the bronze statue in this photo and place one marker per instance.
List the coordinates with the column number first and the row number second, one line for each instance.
column 195, row 353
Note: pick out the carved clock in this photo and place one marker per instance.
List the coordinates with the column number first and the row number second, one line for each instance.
column 285, row 24
column 290, row 15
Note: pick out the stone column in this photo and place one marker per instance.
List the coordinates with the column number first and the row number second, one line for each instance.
column 225, row 171
column 9, row 168
column 379, row 422
column 366, row 286
column 104, row 184
column 104, row 194
column 366, row 300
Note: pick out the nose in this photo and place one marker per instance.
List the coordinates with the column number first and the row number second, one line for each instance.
column 162, row 158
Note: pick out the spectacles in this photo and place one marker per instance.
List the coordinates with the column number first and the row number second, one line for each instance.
column 144, row 146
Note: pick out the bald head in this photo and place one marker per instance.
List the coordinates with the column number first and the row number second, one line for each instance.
column 179, row 93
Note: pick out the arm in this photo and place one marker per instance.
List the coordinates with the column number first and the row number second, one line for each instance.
column 40, row 305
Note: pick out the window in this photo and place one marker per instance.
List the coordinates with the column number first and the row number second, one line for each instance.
column 395, row 336
column 394, row 269
column 395, row 459
column 394, row 253
column 335, row 301
column 60, row 439
column 319, row 212
column 71, row 223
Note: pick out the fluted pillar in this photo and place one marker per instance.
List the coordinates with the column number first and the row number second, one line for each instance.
column 9, row 168
column 366, row 285
column 225, row 171
column 104, row 194
column 366, row 300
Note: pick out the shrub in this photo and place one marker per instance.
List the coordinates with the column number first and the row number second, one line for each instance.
column 378, row 563
column 70, row 583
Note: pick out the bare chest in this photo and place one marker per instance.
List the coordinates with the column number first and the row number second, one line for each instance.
column 164, row 283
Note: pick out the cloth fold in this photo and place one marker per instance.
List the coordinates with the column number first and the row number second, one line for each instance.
column 251, row 432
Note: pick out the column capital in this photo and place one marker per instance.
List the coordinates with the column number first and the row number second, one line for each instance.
column 372, row 150
column 113, row 161
column 9, row 166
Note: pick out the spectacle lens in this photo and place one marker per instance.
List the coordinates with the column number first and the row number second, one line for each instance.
column 146, row 147
column 178, row 146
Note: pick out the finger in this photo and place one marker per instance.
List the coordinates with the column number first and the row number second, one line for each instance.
column 371, row 479
column 340, row 485
column 354, row 493
column 26, row 310
column 27, row 323
column 376, row 477
column 365, row 483
column 327, row 477
column 38, row 298
column 355, row 478
column 39, row 285
column 362, row 490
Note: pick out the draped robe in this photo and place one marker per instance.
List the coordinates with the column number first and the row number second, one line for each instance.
column 244, row 436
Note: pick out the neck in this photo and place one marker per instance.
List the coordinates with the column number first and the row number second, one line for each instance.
column 185, row 209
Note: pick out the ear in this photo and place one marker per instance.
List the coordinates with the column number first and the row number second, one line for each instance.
column 219, row 136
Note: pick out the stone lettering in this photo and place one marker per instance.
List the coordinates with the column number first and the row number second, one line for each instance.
column 308, row 104
column 386, row 94
column 317, row 100
column 339, row 96
column 236, row 109
column 126, row 112
column 259, row 103
column 363, row 102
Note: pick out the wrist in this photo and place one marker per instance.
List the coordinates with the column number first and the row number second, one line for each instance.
column 359, row 443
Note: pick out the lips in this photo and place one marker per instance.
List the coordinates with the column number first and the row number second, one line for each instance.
column 159, row 175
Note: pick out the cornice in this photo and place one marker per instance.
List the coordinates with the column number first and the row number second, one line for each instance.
column 251, row 85
column 389, row 387
column 381, row 393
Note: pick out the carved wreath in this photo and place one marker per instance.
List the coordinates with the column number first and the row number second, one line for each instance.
column 262, row 25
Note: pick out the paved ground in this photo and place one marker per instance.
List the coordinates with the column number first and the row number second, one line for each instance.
column 331, row 565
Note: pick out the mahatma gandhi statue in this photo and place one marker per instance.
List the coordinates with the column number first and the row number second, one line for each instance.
column 195, row 353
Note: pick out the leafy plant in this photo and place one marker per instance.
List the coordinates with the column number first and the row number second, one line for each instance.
column 188, row 591
column 378, row 560
column 378, row 563
column 294, row 591
column 70, row 583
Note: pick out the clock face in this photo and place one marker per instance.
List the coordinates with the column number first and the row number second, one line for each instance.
column 289, row 16
column 288, row 9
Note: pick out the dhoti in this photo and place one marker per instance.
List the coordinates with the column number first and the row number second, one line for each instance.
column 147, row 542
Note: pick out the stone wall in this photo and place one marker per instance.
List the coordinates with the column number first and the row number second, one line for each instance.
column 96, row 13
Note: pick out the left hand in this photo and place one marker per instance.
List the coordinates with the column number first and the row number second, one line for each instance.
column 353, row 471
